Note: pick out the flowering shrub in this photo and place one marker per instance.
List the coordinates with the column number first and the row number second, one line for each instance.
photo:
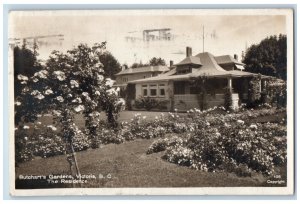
column 276, row 90
column 236, row 148
column 141, row 128
column 107, row 136
column 161, row 144
column 180, row 155
column 70, row 83
column 23, row 148
column 80, row 141
column 149, row 103
column 254, row 92
column 39, row 143
column 157, row 146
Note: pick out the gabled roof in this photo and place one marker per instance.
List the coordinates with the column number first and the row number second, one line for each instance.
column 209, row 68
column 227, row 59
column 143, row 69
column 190, row 60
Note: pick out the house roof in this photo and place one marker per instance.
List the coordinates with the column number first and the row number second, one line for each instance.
column 143, row 69
column 227, row 59
column 190, row 60
column 210, row 68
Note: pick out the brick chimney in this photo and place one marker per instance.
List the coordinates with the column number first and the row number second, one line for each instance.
column 235, row 56
column 171, row 63
column 188, row 51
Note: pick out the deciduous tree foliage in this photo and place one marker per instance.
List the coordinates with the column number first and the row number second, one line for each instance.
column 111, row 66
column 269, row 57
column 157, row 61
column 152, row 62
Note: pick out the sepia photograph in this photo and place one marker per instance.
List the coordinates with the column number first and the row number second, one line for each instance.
column 151, row 102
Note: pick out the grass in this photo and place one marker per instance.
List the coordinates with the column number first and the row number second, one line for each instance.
column 130, row 166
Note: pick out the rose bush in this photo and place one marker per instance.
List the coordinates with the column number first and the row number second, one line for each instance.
column 235, row 147
column 70, row 83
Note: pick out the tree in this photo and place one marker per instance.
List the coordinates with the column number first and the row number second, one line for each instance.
column 25, row 63
column 111, row 66
column 157, row 61
column 254, row 93
column 25, row 66
column 138, row 65
column 25, row 60
column 70, row 83
column 201, row 85
column 269, row 57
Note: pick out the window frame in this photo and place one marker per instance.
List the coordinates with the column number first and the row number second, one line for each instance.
column 157, row 88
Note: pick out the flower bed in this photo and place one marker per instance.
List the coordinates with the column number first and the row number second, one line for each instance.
column 212, row 140
column 227, row 144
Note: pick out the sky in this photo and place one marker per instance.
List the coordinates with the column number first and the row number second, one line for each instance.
column 224, row 33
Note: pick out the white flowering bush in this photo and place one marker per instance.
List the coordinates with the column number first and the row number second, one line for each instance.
column 68, row 84
column 236, row 148
column 108, row 135
column 162, row 144
column 225, row 142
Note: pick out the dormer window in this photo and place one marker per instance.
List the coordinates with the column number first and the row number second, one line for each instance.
column 184, row 70
column 186, row 66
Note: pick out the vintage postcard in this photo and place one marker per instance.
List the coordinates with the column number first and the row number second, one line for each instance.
column 151, row 102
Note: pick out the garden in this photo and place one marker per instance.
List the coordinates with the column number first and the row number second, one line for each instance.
column 84, row 110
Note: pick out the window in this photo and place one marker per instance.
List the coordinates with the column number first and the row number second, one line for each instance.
column 194, row 90
column 162, row 90
column 179, row 87
column 153, row 90
column 184, row 70
column 145, row 90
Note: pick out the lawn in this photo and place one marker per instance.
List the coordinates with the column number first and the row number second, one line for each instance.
column 130, row 166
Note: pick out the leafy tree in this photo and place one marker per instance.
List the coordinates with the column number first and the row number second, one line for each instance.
column 70, row 83
column 25, row 63
column 254, row 94
column 138, row 65
column 125, row 66
column 111, row 66
column 269, row 57
column 25, row 60
column 201, row 85
column 157, row 61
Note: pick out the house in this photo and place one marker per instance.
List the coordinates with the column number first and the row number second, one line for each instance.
column 131, row 74
column 176, row 86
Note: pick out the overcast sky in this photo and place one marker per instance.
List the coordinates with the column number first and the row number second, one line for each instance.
column 224, row 34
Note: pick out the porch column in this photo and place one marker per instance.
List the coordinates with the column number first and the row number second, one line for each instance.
column 170, row 90
column 263, row 85
column 229, row 84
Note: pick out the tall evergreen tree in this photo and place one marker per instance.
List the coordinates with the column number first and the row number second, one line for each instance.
column 269, row 57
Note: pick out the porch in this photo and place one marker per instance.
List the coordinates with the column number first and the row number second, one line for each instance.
column 184, row 102
column 185, row 94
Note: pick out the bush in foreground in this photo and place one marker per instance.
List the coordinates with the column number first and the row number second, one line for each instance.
column 233, row 147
